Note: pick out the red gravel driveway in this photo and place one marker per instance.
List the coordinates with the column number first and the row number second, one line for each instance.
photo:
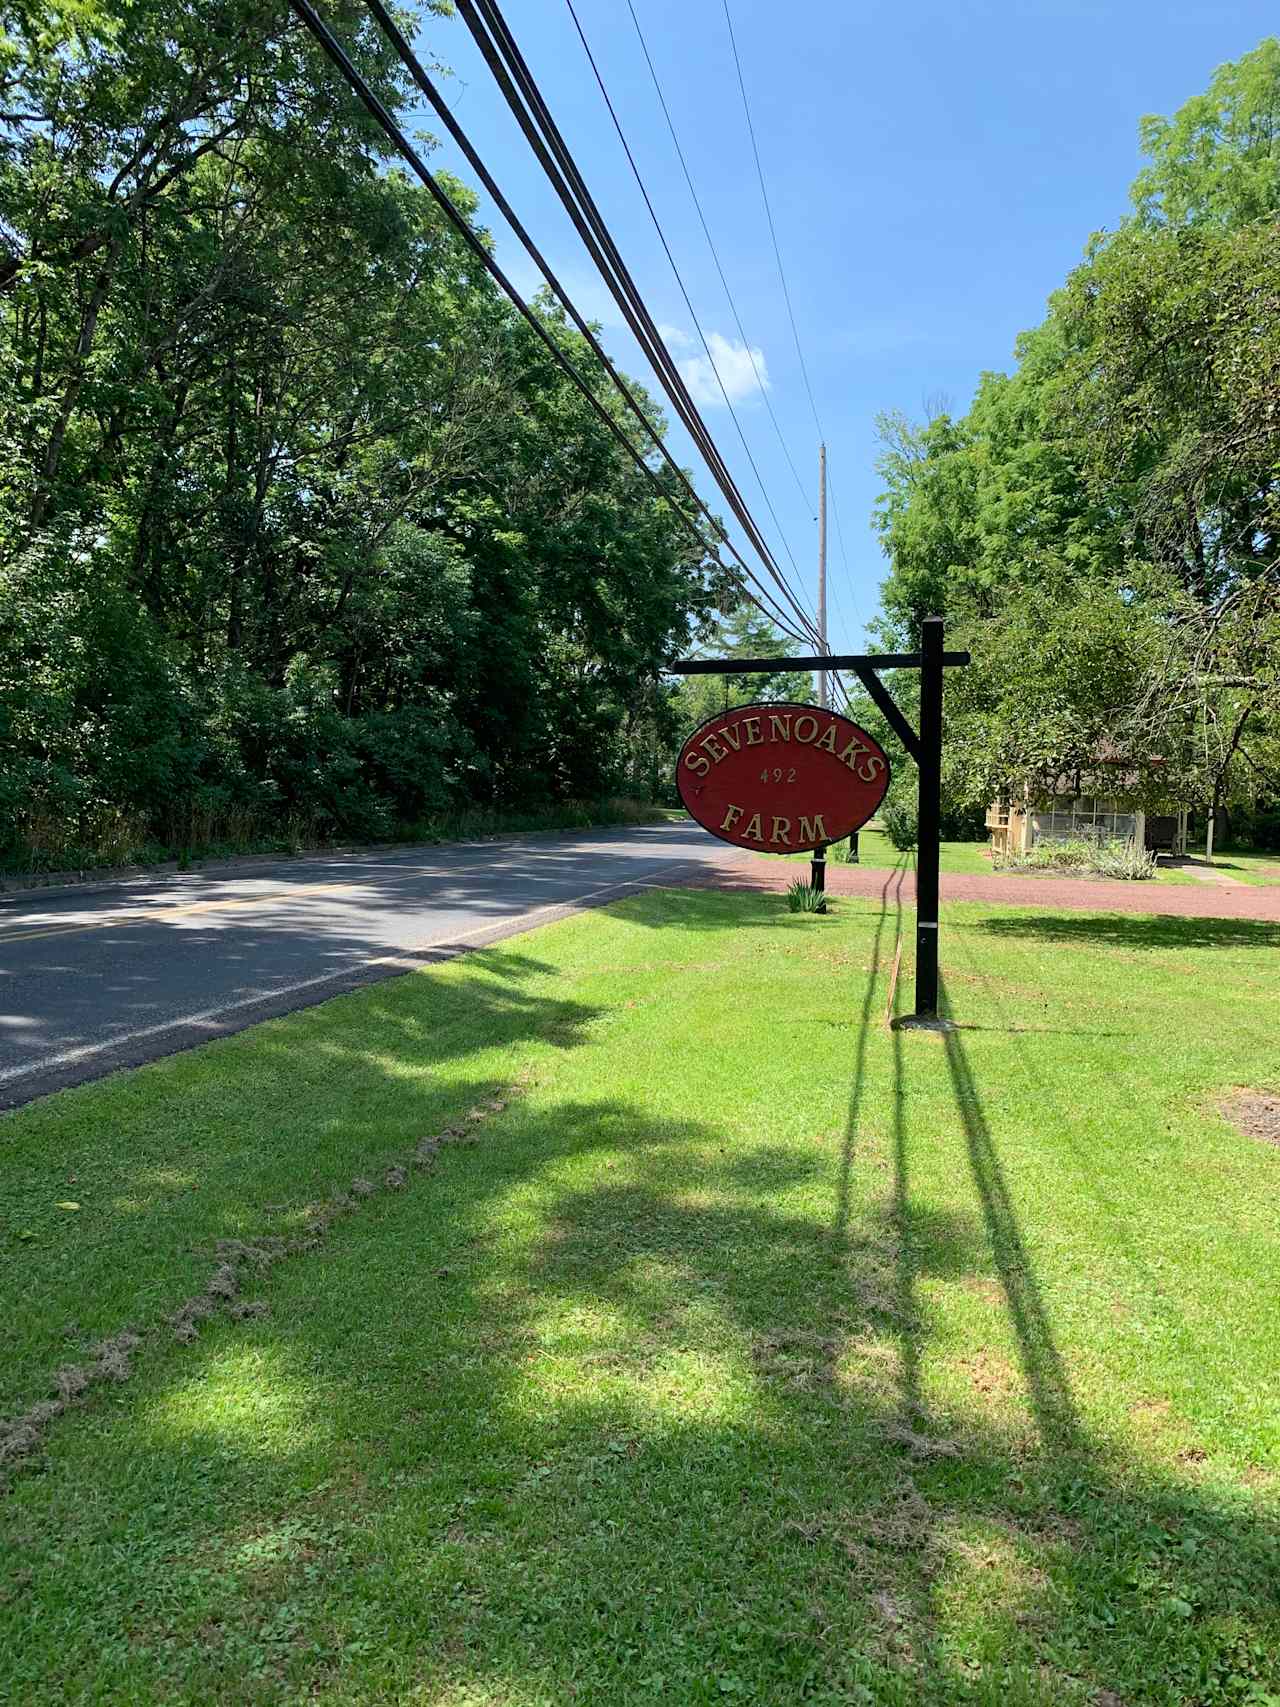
column 1101, row 895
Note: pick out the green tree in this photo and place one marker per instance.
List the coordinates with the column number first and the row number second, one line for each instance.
column 745, row 633
column 1101, row 526
column 299, row 524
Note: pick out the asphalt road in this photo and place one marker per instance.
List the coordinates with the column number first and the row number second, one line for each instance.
column 94, row 981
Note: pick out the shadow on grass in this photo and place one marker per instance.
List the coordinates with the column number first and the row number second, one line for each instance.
column 1130, row 930
column 1042, row 1367
column 167, row 1159
column 540, row 1432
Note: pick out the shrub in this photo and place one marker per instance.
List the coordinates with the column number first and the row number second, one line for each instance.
column 962, row 823
column 900, row 823
column 1264, row 830
column 1124, row 859
column 1085, row 859
column 802, row 897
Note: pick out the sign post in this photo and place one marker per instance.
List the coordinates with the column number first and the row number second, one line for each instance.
column 805, row 809
column 818, row 867
column 928, row 819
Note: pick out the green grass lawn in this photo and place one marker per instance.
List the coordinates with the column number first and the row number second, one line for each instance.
column 1169, row 874
column 1247, row 865
column 753, row 1352
column 877, row 853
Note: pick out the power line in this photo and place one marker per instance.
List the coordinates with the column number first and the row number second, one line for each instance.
column 782, row 279
column 383, row 118
column 715, row 254
column 662, row 237
column 500, row 51
column 524, row 98
column 425, row 83
column 777, row 253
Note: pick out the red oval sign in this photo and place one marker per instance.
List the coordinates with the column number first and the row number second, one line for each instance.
column 783, row 778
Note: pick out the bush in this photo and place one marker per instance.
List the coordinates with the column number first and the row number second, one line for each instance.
column 962, row 823
column 1075, row 855
column 900, row 823
column 1084, row 858
column 1124, row 859
column 1263, row 831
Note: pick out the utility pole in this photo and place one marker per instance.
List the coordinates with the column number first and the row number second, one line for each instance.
column 818, row 864
column 824, row 697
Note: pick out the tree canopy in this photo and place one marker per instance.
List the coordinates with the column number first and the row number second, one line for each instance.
column 1102, row 527
column 299, row 522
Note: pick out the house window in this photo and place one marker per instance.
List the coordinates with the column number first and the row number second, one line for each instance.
column 1085, row 819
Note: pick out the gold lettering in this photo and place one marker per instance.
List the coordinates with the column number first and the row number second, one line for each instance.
column 849, row 755
column 828, row 738
column 776, row 722
column 752, row 727
column 731, row 735
column 813, row 727
column 753, row 831
column 813, row 829
column 714, row 748
column 699, row 763
column 731, row 816
column 871, row 767
column 781, row 831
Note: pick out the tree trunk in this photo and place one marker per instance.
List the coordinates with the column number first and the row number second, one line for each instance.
column 75, row 382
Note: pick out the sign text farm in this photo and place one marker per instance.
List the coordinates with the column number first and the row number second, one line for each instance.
column 785, row 778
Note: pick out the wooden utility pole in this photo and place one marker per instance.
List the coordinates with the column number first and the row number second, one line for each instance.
column 818, row 864
column 824, row 696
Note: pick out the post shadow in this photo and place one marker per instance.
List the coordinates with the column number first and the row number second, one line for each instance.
column 1046, row 1377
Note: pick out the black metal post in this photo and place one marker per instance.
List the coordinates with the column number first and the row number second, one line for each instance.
column 929, row 817
column 818, row 868
column 853, row 849
column 925, row 748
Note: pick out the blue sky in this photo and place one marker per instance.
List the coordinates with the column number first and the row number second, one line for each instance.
column 935, row 170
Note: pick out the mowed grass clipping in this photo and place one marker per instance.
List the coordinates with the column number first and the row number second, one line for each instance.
column 753, row 1352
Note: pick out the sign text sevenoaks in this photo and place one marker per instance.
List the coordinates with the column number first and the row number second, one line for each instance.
column 786, row 778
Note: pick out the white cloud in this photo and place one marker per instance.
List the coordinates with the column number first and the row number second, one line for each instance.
column 742, row 371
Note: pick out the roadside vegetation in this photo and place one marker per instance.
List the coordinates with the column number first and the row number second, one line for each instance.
column 1083, row 857
column 737, row 1348
column 123, row 850
column 1100, row 525
column 303, row 535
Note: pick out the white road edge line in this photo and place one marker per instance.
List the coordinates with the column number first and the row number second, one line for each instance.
column 69, row 1057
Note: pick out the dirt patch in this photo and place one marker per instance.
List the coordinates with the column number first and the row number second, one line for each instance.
column 990, row 1291
column 1254, row 1113
column 993, row 1376
column 802, row 1359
